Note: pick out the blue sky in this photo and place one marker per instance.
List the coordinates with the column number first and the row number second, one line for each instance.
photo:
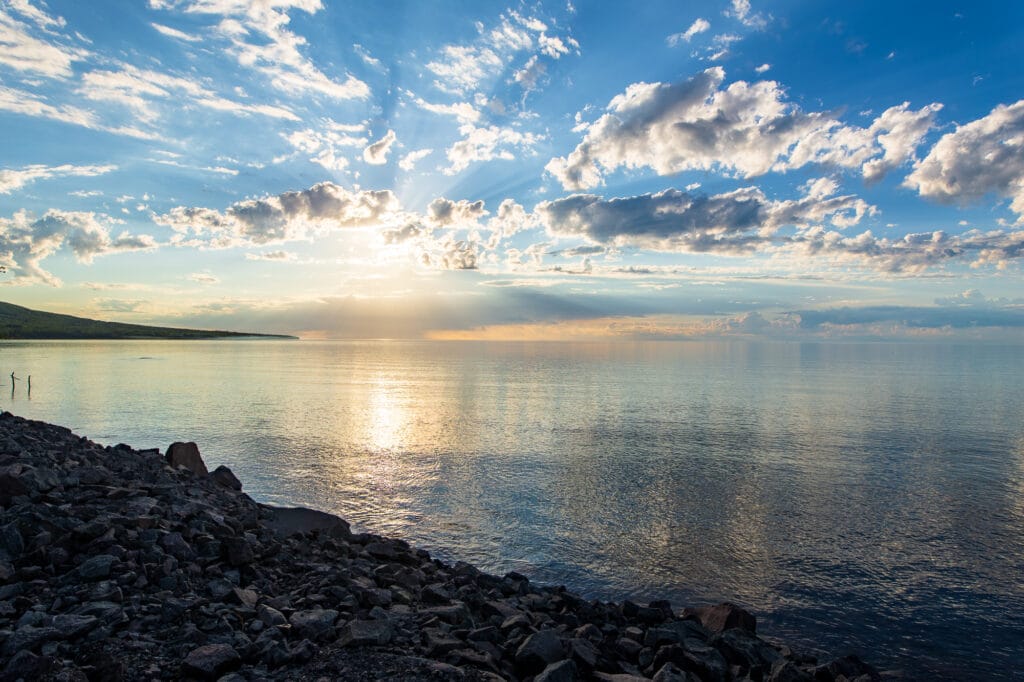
column 532, row 170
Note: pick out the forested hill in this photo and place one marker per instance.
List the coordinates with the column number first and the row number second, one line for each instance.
column 17, row 322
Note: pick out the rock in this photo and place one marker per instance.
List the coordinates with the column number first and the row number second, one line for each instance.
column 723, row 616
column 97, row 567
column 317, row 624
column 287, row 521
column 787, row 671
column 28, row 638
column 538, row 651
column 270, row 616
column 186, row 455
column 210, row 661
column 563, row 671
column 237, row 551
column 366, row 633
column 851, row 667
column 226, row 478
column 71, row 625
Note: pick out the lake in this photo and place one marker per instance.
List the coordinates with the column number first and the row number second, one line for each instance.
column 857, row 497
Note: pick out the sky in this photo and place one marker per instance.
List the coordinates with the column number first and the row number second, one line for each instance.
column 544, row 170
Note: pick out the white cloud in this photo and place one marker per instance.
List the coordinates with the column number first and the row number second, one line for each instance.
column 274, row 256
column 531, row 72
column 325, row 144
column 25, row 241
column 455, row 214
column 746, row 128
column 204, row 278
column 21, row 51
column 140, row 90
column 28, row 104
column 698, row 26
column 377, row 153
column 982, row 157
column 36, row 15
column 175, row 33
column 409, row 161
column 11, row 179
column 464, row 112
column 289, row 216
column 485, row 144
column 763, row 68
column 275, row 51
column 741, row 10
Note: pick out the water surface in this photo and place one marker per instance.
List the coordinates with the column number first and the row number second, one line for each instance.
column 857, row 497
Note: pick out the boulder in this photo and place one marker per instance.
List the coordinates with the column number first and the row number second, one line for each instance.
column 226, row 478
column 721, row 617
column 538, row 651
column 210, row 661
column 186, row 455
column 563, row 671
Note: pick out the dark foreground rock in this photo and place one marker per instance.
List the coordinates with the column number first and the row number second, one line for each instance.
column 121, row 564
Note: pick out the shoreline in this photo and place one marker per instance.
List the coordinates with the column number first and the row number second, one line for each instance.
column 117, row 563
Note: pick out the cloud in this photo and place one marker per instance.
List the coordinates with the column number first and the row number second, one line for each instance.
column 28, row 104
column 485, row 144
column 324, row 144
column 763, row 68
column 139, row 89
column 982, row 157
column 409, row 161
column 464, row 112
column 741, row 11
column 672, row 220
column 698, row 26
column 11, row 180
column 274, row 50
column 203, row 278
column 21, row 51
column 290, row 216
column 458, row 214
column 25, row 241
column 277, row 256
column 36, row 15
column 746, row 128
column 914, row 317
column 377, row 153
column 175, row 33
column 461, row 69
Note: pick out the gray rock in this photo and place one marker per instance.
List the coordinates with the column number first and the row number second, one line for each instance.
column 186, row 455
column 72, row 625
column 226, row 478
column 538, row 651
column 366, row 633
column 210, row 661
column 787, row 671
column 723, row 616
column 563, row 671
column 317, row 624
column 97, row 567
column 28, row 638
column 270, row 616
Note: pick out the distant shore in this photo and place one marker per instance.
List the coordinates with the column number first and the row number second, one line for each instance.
column 118, row 563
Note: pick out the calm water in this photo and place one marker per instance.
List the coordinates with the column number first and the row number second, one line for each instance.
column 858, row 497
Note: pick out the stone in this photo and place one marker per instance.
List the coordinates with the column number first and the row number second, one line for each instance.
column 97, row 567
column 186, row 455
column 237, row 551
column 28, row 638
column 270, row 616
column 787, row 671
column 210, row 661
column 723, row 616
column 670, row 672
column 563, row 671
column 316, row 624
column 226, row 478
column 538, row 651
column 366, row 633
column 71, row 625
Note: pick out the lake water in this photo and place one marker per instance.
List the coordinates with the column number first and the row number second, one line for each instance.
column 857, row 497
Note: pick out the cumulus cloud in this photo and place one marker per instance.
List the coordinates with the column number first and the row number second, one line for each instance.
column 673, row 220
column 325, row 144
column 745, row 128
column 982, row 157
column 742, row 11
column 377, row 153
column 260, row 39
column 289, row 216
column 447, row 213
column 25, row 241
column 698, row 26
column 11, row 179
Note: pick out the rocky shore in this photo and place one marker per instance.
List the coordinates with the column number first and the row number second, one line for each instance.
column 124, row 564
